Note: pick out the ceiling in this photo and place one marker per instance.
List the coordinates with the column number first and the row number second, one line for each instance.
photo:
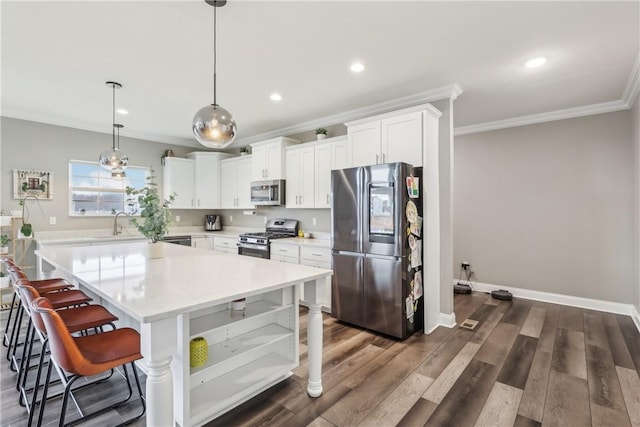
column 56, row 57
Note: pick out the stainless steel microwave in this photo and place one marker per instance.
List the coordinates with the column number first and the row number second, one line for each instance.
column 267, row 192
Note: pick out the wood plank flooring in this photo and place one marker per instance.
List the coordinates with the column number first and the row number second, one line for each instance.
column 526, row 363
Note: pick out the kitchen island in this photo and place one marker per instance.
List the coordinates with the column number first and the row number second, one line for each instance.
column 188, row 293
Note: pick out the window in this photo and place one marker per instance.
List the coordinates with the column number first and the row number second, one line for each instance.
column 93, row 192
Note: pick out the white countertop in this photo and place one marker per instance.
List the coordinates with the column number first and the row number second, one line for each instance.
column 184, row 280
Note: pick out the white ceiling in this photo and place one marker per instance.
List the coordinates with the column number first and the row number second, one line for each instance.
column 56, row 57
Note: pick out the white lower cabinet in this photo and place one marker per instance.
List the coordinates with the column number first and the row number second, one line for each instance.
column 321, row 258
column 202, row 242
column 248, row 351
column 225, row 244
column 312, row 256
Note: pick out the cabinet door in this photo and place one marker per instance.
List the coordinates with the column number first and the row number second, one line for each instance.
column 228, row 187
column 340, row 158
column 273, row 164
column 402, row 139
column 202, row 242
column 307, row 178
column 323, row 176
column 292, row 159
column 178, row 177
column 243, row 182
column 364, row 141
column 207, row 182
column 258, row 162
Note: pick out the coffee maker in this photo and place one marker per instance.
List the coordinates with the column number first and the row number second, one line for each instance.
column 213, row 222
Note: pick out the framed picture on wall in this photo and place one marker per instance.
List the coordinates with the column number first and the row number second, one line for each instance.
column 32, row 183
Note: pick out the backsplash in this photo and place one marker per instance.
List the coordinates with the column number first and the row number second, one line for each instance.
column 304, row 216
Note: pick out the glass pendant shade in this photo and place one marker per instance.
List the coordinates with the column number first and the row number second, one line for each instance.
column 114, row 160
column 214, row 127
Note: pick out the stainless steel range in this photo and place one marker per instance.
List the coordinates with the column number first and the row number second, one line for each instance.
column 258, row 244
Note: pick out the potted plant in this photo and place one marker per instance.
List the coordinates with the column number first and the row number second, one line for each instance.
column 321, row 133
column 155, row 212
column 245, row 150
column 26, row 230
column 4, row 244
column 4, row 280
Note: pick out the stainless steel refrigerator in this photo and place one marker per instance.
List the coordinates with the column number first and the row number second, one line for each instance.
column 375, row 233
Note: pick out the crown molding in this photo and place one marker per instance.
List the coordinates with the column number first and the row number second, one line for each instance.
column 568, row 113
column 628, row 98
column 633, row 85
column 445, row 92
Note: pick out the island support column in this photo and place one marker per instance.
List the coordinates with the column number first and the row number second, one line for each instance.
column 159, row 344
column 313, row 293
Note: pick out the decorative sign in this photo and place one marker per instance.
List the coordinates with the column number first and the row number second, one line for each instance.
column 32, row 183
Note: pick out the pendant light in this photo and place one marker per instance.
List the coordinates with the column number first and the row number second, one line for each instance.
column 213, row 126
column 113, row 159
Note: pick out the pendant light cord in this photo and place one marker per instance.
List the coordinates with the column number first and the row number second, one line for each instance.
column 215, row 55
column 113, row 125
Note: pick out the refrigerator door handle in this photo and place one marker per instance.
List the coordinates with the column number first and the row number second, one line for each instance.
column 384, row 257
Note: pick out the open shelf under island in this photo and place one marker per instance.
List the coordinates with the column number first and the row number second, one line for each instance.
column 187, row 293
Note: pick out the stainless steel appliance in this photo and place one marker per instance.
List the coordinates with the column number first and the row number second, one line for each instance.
column 258, row 244
column 179, row 240
column 377, row 265
column 213, row 222
column 270, row 193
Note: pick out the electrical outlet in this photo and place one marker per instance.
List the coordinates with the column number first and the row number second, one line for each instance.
column 52, row 220
column 230, row 218
column 314, row 221
column 465, row 265
column 177, row 218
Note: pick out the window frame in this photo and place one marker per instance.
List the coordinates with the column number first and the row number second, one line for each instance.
column 74, row 214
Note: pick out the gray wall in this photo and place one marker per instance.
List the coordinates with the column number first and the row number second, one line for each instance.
column 635, row 118
column 33, row 145
column 548, row 207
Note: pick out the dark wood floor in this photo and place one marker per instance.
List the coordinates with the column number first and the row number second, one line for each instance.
column 524, row 364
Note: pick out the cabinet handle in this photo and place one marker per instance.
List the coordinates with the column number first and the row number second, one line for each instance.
column 316, row 254
column 300, row 199
column 327, row 198
column 376, row 159
column 266, row 173
column 198, row 202
column 282, row 250
column 383, row 157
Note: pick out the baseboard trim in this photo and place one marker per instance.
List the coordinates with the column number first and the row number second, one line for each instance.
column 568, row 300
column 636, row 317
column 441, row 319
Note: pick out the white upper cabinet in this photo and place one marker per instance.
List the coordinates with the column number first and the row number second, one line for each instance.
column 300, row 176
column 392, row 137
column 195, row 181
column 178, row 178
column 268, row 162
column 235, row 192
column 364, row 140
column 207, row 179
column 329, row 156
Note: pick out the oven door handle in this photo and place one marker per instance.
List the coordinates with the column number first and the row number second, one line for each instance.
column 252, row 246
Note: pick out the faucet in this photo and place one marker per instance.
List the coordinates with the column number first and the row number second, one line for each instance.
column 117, row 231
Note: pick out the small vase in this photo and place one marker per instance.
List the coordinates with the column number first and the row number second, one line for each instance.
column 198, row 352
column 321, row 136
column 155, row 250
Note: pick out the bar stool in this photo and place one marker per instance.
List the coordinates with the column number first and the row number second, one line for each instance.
column 89, row 355
column 75, row 319
column 63, row 299
column 43, row 286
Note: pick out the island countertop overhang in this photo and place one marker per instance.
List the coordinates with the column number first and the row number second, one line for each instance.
column 184, row 280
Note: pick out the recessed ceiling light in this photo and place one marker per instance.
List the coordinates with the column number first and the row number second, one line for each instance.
column 535, row 62
column 276, row 97
column 357, row 67
column 122, row 111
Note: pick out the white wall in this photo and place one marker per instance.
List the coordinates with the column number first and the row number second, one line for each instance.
column 548, row 207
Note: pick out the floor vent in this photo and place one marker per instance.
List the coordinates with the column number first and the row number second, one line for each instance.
column 469, row 324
